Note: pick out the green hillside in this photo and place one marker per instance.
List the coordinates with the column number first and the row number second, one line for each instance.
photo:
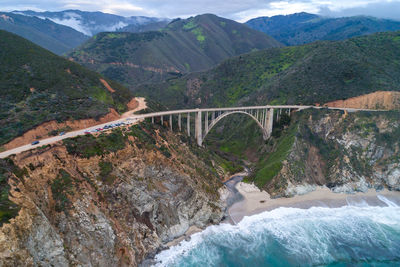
column 302, row 28
column 55, row 37
column 37, row 86
column 194, row 44
column 308, row 74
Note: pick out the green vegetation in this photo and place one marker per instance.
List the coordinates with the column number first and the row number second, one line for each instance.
column 302, row 28
column 231, row 167
column 198, row 32
column 61, row 187
column 193, row 44
column 236, row 136
column 270, row 166
column 105, row 172
column 190, row 25
column 38, row 86
column 142, row 136
column 8, row 209
column 87, row 146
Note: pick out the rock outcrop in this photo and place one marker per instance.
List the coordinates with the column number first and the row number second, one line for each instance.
column 347, row 152
column 110, row 200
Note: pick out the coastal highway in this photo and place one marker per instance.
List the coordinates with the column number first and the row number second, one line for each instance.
column 127, row 117
column 131, row 118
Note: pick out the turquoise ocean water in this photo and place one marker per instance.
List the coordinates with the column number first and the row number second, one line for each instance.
column 353, row 235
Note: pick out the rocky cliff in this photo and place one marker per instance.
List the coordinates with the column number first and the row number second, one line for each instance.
column 346, row 152
column 107, row 200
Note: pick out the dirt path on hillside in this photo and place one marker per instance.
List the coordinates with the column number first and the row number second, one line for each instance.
column 139, row 105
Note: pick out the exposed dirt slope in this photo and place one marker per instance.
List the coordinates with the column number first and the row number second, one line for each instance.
column 388, row 100
column 43, row 130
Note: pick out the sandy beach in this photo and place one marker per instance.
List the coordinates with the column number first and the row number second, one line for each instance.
column 255, row 201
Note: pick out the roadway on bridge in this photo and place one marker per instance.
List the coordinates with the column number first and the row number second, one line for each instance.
column 132, row 119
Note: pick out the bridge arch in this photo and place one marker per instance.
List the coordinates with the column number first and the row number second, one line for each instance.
column 214, row 122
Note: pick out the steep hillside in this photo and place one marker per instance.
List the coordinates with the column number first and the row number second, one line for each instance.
column 316, row 73
column 37, row 86
column 302, row 28
column 54, row 37
column 195, row 44
column 106, row 201
column 91, row 23
column 346, row 152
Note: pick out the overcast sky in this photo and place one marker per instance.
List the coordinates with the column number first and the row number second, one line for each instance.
column 240, row 10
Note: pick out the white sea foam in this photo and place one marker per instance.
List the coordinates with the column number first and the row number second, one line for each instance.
column 387, row 201
column 311, row 236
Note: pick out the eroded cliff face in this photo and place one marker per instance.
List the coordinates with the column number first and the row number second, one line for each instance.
column 389, row 100
column 346, row 152
column 93, row 202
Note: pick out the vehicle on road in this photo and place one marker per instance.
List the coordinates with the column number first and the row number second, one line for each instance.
column 86, row 132
column 62, row 133
column 35, row 143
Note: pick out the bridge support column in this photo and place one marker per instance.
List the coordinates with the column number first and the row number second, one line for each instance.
column 277, row 115
column 162, row 120
column 188, row 124
column 279, row 111
column 213, row 116
column 152, row 120
column 206, row 123
column 263, row 116
column 180, row 122
column 269, row 122
column 198, row 130
column 170, row 122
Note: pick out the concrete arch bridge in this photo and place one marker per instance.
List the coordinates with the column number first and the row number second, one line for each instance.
column 205, row 119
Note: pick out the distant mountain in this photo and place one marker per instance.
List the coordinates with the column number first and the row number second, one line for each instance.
column 153, row 26
column 302, row 28
column 52, row 36
column 37, row 86
column 91, row 23
column 315, row 73
column 189, row 45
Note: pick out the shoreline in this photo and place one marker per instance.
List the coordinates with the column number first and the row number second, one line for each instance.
column 256, row 201
column 247, row 200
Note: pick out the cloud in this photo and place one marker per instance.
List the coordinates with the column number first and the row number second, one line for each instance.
column 385, row 9
column 72, row 20
column 240, row 10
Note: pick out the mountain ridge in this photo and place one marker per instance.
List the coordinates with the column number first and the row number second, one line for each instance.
column 52, row 36
column 302, row 28
column 183, row 46
column 314, row 73
column 91, row 23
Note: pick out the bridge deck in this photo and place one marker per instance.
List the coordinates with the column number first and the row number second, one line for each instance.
column 138, row 117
